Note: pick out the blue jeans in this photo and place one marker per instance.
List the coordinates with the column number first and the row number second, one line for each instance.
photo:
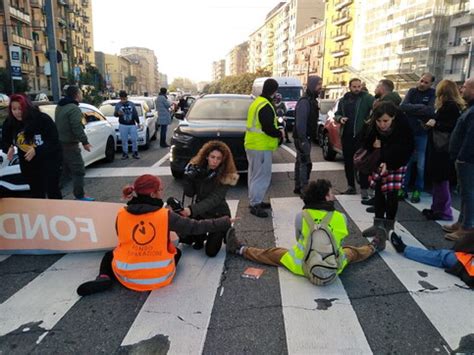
column 419, row 156
column 443, row 258
column 125, row 131
column 465, row 173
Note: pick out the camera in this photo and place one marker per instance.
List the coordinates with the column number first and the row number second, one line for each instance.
column 192, row 171
column 175, row 205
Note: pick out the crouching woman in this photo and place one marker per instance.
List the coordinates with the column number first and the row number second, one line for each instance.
column 145, row 258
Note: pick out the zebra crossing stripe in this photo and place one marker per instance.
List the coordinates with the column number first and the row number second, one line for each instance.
column 182, row 311
column 312, row 313
column 425, row 202
column 445, row 305
column 50, row 295
column 3, row 257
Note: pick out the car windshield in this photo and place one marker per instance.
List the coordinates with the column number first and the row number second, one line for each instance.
column 290, row 93
column 219, row 108
column 108, row 109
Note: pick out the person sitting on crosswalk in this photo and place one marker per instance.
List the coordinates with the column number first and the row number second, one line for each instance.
column 318, row 200
column 145, row 258
column 458, row 261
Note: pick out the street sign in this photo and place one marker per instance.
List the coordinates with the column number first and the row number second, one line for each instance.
column 15, row 62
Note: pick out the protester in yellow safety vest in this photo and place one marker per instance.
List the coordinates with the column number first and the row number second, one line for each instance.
column 261, row 139
column 145, row 258
column 459, row 261
column 318, row 201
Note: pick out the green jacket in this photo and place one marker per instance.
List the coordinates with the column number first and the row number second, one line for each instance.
column 392, row 97
column 363, row 108
column 68, row 118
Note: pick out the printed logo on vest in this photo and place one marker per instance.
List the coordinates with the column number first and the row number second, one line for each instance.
column 142, row 234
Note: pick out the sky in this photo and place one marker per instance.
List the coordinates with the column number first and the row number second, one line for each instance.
column 186, row 35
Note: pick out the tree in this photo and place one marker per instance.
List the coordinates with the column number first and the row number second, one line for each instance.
column 92, row 76
column 235, row 84
column 6, row 85
column 183, row 84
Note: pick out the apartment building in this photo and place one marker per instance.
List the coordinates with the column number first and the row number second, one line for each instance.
column 138, row 81
column 236, row 61
column 115, row 70
column 218, row 69
column 26, row 24
column 149, row 62
column 459, row 64
column 309, row 52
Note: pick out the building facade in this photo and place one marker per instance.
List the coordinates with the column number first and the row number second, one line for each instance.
column 309, row 52
column 26, row 24
column 149, row 62
column 218, row 69
column 236, row 61
column 115, row 70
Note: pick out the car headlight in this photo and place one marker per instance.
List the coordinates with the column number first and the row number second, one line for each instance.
column 182, row 138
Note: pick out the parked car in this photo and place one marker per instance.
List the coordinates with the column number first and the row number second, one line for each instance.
column 217, row 116
column 147, row 130
column 327, row 108
column 99, row 131
column 331, row 139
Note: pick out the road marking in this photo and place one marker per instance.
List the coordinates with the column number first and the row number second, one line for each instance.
column 161, row 161
column 182, row 310
column 288, row 149
column 444, row 306
column 166, row 171
column 3, row 257
column 49, row 296
column 308, row 328
column 425, row 202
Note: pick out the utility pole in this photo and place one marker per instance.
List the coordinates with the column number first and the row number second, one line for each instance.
column 469, row 58
column 52, row 50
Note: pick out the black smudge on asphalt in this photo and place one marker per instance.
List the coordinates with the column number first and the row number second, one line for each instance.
column 324, row 303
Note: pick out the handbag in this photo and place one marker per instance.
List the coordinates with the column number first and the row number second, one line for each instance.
column 441, row 140
column 366, row 161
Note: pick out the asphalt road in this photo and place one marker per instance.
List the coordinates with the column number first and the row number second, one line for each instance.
column 383, row 305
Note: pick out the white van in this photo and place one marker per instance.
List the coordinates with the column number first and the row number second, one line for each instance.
column 290, row 90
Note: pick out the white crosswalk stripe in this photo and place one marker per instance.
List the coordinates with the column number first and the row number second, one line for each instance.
column 306, row 327
column 425, row 203
column 444, row 306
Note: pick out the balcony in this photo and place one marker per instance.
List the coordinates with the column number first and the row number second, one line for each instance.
column 340, row 53
column 456, row 75
column 36, row 3
column 86, row 20
column 459, row 49
column 39, row 70
column 336, row 69
column 341, row 19
column 61, row 22
column 38, row 24
column 85, row 2
column 20, row 15
column 22, row 41
column 341, row 36
column 27, row 67
column 464, row 20
column 38, row 47
column 87, row 35
column 342, row 4
column 62, row 2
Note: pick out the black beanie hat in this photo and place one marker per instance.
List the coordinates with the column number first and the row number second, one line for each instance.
column 270, row 86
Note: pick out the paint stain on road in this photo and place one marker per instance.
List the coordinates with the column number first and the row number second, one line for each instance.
column 324, row 303
column 427, row 286
column 158, row 345
column 422, row 273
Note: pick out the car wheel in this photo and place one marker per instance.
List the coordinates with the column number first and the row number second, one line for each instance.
column 328, row 153
column 177, row 174
column 147, row 140
column 110, row 150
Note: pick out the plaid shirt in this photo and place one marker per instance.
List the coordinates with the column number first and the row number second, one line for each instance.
column 391, row 181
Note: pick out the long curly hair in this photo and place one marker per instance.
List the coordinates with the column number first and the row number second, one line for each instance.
column 447, row 90
column 227, row 170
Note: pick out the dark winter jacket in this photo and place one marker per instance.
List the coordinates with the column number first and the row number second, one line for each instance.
column 38, row 130
column 363, row 107
column 68, row 118
column 438, row 161
column 419, row 108
column 130, row 114
column 461, row 145
column 306, row 119
column 392, row 97
column 176, row 223
column 266, row 116
column 397, row 146
column 210, row 195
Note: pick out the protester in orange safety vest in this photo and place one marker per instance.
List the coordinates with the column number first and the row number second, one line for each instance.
column 145, row 259
column 459, row 261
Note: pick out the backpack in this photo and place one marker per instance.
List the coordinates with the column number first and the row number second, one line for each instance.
column 321, row 259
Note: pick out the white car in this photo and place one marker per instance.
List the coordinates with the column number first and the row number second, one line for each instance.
column 99, row 131
column 150, row 102
column 147, row 130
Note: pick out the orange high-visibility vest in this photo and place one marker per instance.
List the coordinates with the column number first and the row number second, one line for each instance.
column 467, row 260
column 141, row 260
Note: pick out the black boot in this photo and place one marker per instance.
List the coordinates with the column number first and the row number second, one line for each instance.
column 100, row 284
column 397, row 243
column 213, row 244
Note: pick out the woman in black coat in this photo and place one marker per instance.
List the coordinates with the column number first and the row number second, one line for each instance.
column 390, row 132
column 208, row 176
column 35, row 136
column 449, row 105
